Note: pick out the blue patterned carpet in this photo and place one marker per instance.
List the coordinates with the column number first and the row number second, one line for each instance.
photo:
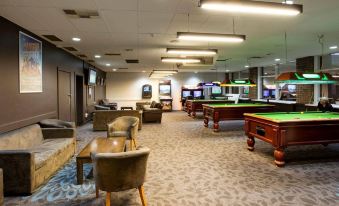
column 191, row 165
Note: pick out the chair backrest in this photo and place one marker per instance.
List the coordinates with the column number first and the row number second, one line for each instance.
column 115, row 172
column 127, row 124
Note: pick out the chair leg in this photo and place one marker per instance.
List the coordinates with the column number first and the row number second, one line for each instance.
column 142, row 195
column 96, row 191
column 108, row 199
column 135, row 143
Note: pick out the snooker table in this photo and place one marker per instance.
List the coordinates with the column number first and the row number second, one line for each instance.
column 194, row 105
column 282, row 129
column 218, row 112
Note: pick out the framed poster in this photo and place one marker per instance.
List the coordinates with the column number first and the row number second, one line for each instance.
column 30, row 64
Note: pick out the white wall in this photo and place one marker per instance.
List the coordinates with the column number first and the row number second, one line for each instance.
column 125, row 87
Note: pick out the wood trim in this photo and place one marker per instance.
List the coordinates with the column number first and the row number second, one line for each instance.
column 27, row 121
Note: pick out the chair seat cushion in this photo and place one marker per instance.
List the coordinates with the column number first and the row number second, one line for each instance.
column 48, row 149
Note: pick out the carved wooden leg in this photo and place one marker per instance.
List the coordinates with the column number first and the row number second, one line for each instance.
column 216, row 122
column 135, row 143
column 80, row 173
column 250, row 143
column 189, row 112
column 142, row 195
column 96, row 191
column 279, row 156
column 108, row 199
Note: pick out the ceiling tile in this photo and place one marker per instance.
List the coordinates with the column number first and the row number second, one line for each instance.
column 130, row 5
column 90, row 25
column 151, row 22
column 120, row 21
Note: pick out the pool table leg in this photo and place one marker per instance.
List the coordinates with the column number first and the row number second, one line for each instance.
column 193, row 111
column 216, row 122
column 279, row 155
column 189, row 112
column 206, row 120
column 250, row 143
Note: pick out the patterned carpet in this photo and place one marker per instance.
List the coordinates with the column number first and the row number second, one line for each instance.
column 191, row 165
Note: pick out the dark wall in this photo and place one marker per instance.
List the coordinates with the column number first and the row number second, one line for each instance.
column 18, row 110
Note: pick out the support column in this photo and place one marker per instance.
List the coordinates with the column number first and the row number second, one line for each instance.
column 276, row 74
column 255, row 75
column 305, row 93
column 317, row 86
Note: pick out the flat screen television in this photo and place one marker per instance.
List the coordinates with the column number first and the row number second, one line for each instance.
column 197, row 94
column 92, row 77
column 266, row 93
column 216, row 90
column 186, row 93
column 273, row 93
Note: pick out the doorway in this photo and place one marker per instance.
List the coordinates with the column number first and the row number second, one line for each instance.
column 64, row 95
column 79, row 99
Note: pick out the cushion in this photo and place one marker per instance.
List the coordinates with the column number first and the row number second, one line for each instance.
column 55, row 123
column 49, row 148
column 153, row 104
column 98, row 107
column 144, row 107
column 158, row 105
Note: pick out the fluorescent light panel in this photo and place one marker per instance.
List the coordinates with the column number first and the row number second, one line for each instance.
column 210, row 37
column 180, row 60
column 192, row 51
column 252, row 7
column 165, row 71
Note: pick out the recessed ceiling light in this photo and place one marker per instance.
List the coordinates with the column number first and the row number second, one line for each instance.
column 333, row 47
column 247, row 66
column 288, row 2
column 143, row 71
column 195, row 72
column 108, row 65
column 227, row 70
column 97, row 56
column 277, row 60
column 265, row 73
column 252, row 7
column 76, row 39
column 114, row 70
column 192, row 51
column 180, row 60
column 209, row 37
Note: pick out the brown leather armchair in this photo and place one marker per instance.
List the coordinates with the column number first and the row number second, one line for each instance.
column 125, row 126
column 150, row 112
column 114, row 172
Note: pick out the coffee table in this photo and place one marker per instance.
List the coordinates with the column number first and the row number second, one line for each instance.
column 98, row 145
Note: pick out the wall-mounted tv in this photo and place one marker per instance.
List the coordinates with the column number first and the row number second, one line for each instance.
column 197, row 94
column 92, row 77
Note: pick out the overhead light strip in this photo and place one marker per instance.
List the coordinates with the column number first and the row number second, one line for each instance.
column 210, row 37
column 186, row 51
column 252, row 7
column 180, row 60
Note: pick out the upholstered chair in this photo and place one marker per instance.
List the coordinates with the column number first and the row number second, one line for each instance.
column 114, row 172
column 125, row 126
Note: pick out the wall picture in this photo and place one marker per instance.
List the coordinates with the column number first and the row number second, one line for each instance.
column 30, row 64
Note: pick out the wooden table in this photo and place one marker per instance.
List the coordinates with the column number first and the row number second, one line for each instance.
column 219, row 112
column 195, row 105
column 98, row 145
column 283, row 129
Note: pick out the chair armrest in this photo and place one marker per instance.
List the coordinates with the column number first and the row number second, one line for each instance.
column 18, row 171
column 53, row 133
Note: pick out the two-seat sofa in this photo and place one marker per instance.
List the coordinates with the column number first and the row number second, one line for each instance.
column 31, row 155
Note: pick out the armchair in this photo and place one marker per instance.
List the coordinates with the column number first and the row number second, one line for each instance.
column 115, row 172
column 106, row 103
column 126, row 126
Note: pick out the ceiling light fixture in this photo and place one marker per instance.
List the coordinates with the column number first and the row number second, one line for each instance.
column 180, row 60
column 277, row 60
column 97, row 56
column 114, row 70
column 186, row 51
column 247, row 66
column 165, row 71
column 288, row 2
column 306, row 78
column 210, row 37
column 333, row 47
column 108, row 65
column 252, row 7
column 77, row 39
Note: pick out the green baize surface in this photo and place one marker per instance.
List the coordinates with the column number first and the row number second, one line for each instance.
column 280, row 116
column 238, row 105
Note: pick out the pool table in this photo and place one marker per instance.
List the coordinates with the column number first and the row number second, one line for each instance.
column 283, row 129
column 195, row 105
column 218, row 112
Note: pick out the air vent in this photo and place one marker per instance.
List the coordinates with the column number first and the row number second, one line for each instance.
column 84, row 14
column 90, row 60
column 69, row 48
column 255, row 57
column 123, row 68
column 132, row 61
column 51, row 37
column 113, row 54
column 213, row 69
column 129, row 50
column 82, row 56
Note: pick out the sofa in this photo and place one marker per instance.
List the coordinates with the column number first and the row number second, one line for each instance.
column 102, row 117
column 29, row 156
column 106, row 103
column 151, row 111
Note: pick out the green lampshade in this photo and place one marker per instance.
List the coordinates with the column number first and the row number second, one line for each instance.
column 306, row 78
column 238, row 83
